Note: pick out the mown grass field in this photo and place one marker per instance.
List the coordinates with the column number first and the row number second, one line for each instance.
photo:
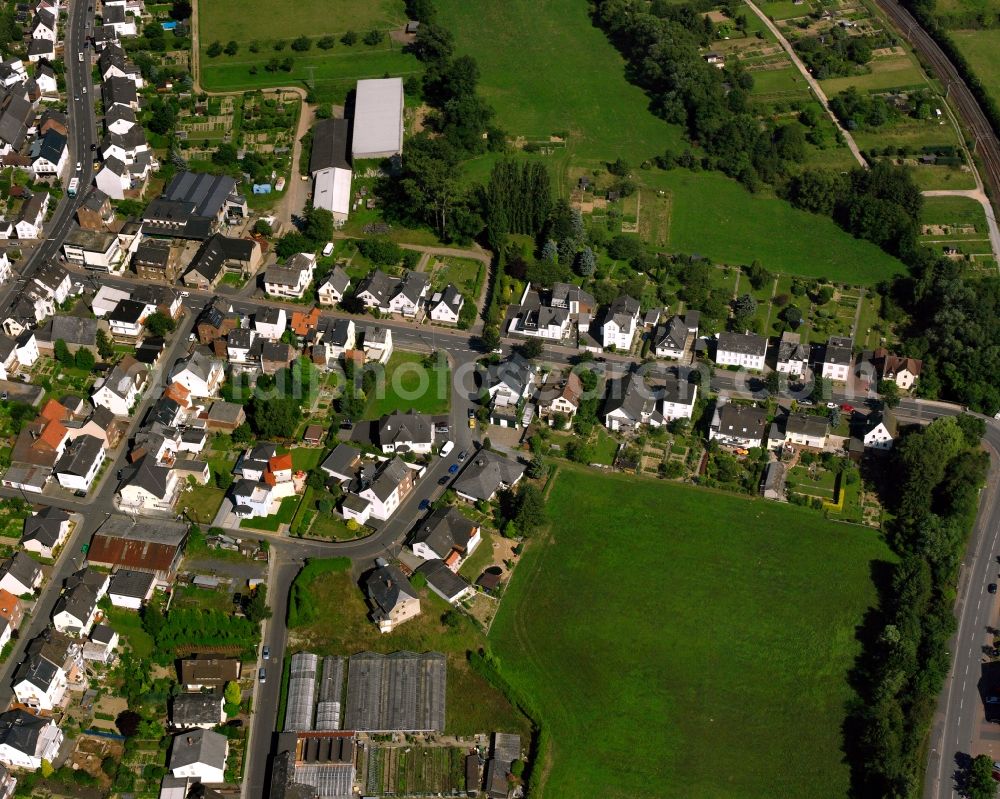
column 685, row 643
column 716, row 217
column 408, row 384
column 547, row 70
column 331, row 73
column 981, row 47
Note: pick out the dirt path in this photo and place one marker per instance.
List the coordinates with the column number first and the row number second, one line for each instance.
column 813, row 84
column 857, row 314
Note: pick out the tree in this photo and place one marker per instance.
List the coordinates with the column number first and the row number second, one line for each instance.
column 159, row 324
column 163, row 117
column 773, row 381
column 61, row 352
column 255, row 606
column 326, row 43
column 275, row 417
column 232, row 48
column 550, row 251
column 128, row 723
column 889, row 392
column 792, row 315
column 180, row 10
column 491, row 337
column 530, row 509
column 981, row 783
column 318, row 226
column 744, row 308
column 374, row 37
column 223, row 479
column 46, row 769
column 85, row 359
column 349, row 38
column 532, row 348
column 263, row 228
column 232, row 693
column 301, row 44
column 105, row 345
column 586, row 262
column 226, row 154
column 214, row 49
column 243, row 434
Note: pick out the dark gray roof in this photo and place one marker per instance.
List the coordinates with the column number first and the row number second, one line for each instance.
column 50, row 147
column 128, row 583
column 622, row 310
column 339, row 279
column 337, row 332
column 149, row 475
column 329, row 145
column 153, row 252
column 198, row 746
column 380, row 285
column 446, row 529
column 102, row 634
column 44, row 526
column 515, row 373
column 389, row 477
column 217, row 250
column 342, row 460
column 22, row 567
column 404, row 428
column 74, row 330
column 451, row 297
column 79, row 456
column 742, row 421
column 442, row 579
column 117, row 89
column 241, row 337
column 631, row 396
column 807, row 424
column 80, row 601
column 208, row 193
column 127, row 311
column 386, row 586
column 189, row 710
column 742, row 343
column 14, row 117
column 790, row 348
column 412, row 285
column 20, row 730
column 838, row 351
column 671, row 335
column 485, row 473
column 37, row 670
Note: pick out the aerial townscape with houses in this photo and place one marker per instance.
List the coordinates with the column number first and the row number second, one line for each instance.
column 536, row 399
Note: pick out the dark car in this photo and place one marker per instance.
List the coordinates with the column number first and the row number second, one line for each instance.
column 443, row 481
column 424, row 504
column 992, row 588
column 462, row 455
column 453, row 468
column 472, row 413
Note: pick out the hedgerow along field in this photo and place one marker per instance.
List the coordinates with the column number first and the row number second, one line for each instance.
column 677, row 642
column 331, row 73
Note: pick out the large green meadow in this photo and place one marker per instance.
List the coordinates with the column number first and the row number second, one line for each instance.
column 677, row 642
column 330, row 72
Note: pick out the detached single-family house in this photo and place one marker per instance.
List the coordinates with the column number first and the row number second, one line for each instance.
column 333, row 338
column 806, row 430
column 510, row 382
column 334, row 287
column 903, row 371
column 446, row 534
column 127, row 318
column 405, row 432
column 199, row 755
column 76, row 608
column 197, row 711
column 20, row 574
column 391, row 484
column 80, row 462
column 444, row 582
column 630, row 403
column 392, row 599
column 240, row 347
column 49, row 154
column 377, row 343
column 881, row 430
column 485, row 474
column 39, row 683
column 45, row 531
column 674, row 338
column 200, row 374
column 793, row 355
column 837, row 359
column 677, row 398
column 375, row 290
column 620, row 323
column 29, row 224
column 119, row 391
column 201, row 672
column 738, row 425
column 102, row 644
column 746, row 350
column 560, row 396
column 445, row 306
column 292, row 279
column 131, row 589
column 149, row 487
column 26, row 740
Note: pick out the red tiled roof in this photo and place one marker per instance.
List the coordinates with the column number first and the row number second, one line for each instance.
column 54, row 411
column 54, row 434
column 178, row 394
column 280, row 462
column 132, row 554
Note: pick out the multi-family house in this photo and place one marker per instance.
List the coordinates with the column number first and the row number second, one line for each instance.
column 119, row 391
column 793, row 355
column 837, row 359
column 446, row 306
column 620, row 323
column 746, row 350
column 293, row 278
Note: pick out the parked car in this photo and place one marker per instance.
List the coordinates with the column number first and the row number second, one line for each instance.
column 443, row 481
column 847, row 408
column 453, row 468
column 424, row 504
column 462, row 455
column 262, row 675
column 806, row 402
column 992, row 588
column 831, row 405
column 446, row 448
column 266, row 653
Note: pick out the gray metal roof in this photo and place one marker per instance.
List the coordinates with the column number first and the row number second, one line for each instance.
column 401, row 691
column 198, row 746
column 329, row 145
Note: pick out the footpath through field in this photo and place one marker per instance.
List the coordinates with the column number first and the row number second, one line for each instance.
column 813, row 84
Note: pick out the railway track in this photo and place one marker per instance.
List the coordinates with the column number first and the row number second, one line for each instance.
column 986, row 144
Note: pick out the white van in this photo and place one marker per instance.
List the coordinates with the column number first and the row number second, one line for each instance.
column 447, row 448
column 328, row 249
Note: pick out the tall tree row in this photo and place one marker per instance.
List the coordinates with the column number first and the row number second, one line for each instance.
column 517, row 199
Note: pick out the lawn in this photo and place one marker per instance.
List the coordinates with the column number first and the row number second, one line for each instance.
column 953, row 211
column 409, row 384
column 343, row 628
column 273, row 19
column 892, row 72
column 271, row 523
column 464, row 273
column 714, row 216
column 701, row 638
column 980, row 48
column 129, row 626
column 548, row 71
column 942, row 177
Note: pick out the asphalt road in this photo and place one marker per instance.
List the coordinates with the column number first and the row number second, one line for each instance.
column 986, row 144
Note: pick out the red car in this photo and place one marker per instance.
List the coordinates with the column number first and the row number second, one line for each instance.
column 847, row 408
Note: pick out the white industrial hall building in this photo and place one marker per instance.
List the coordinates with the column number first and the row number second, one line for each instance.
column 329, row 168
column 378, row 118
